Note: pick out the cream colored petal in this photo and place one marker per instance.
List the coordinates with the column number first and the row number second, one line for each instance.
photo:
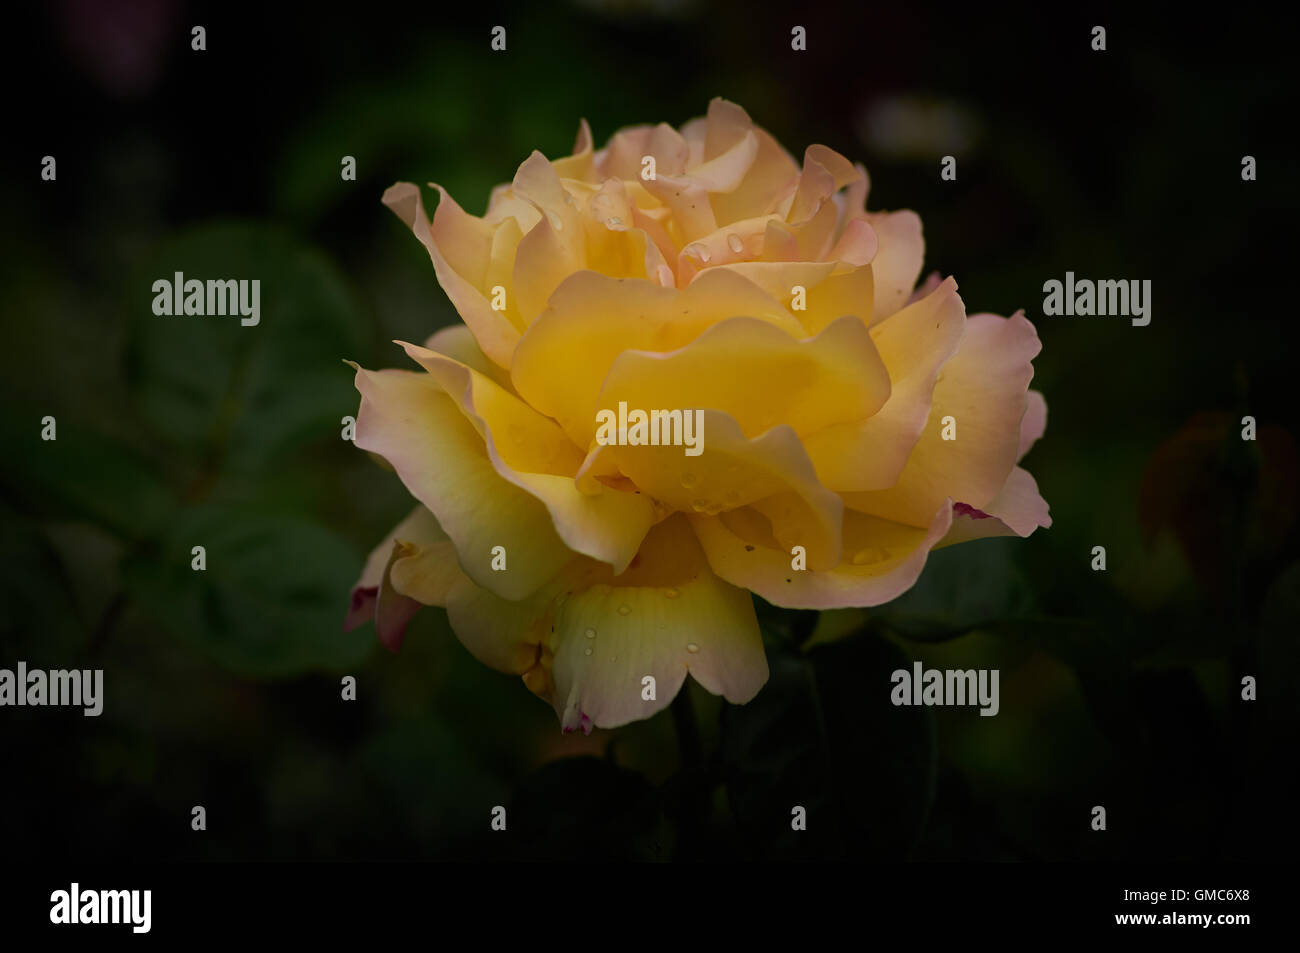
column 983, row 388
column 493, row 330
column 407, row 419
column 531, row 452
column 666, row 617
column 914, row 344
column 459, row 345
column 882, row 559
column 898, row 260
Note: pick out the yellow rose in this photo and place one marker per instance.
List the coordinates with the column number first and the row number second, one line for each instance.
column 850, row 424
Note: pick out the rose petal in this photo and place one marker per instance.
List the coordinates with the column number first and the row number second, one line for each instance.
column 833, row 377
column 495, row 334
column 914, row 344
column 983, row 388
column 881, row 559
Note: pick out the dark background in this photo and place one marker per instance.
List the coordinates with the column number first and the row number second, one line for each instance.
column 1119, row 688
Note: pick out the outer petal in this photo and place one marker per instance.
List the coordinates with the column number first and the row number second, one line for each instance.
column 406, row 418
column 897, row 264
column 882, row 559
column 562, row 361
column 532, row 453
column 419, row 527
column 1034, row 424
column 1017, row 510
column 833, row 377
column 667, row 616
column 493, row 330
column 984, row 388
column 914, row 344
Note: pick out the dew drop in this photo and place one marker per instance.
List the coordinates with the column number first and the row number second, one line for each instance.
column 735, row 244
column 590, row 633
column 614, row 221
column 689, row 479
column 671, row 593
column 696, row 250
column 587, row 651
column 624, row 610
column 700, row 506
column 569, row 198
column 692, row 647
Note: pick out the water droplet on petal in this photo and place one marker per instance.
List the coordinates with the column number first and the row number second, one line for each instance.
column 614, row 221
column 671, row 593
column 735, row 244
column 569, row 198
column 696, row 250
column 587, row 651
column 692, row 647
column 699, row 506
column 590, row 633
column 689, row 479
column 624, row 610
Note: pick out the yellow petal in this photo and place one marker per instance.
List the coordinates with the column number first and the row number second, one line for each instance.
column 495, row 334
column 533, row 454
column 914, row 344
column 833, row 377
column 562, row 361
column 770, row 472
column 580, row 165
column 667, row 616
column 882, row 559
column 407, row 419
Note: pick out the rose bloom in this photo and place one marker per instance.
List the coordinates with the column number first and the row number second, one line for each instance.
column 734, row 280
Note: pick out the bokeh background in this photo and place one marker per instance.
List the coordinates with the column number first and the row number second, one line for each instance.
column 1119, row 688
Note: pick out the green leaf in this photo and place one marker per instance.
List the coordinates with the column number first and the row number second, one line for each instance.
column 823, row 735
column 246, row 396
column 271, row 599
